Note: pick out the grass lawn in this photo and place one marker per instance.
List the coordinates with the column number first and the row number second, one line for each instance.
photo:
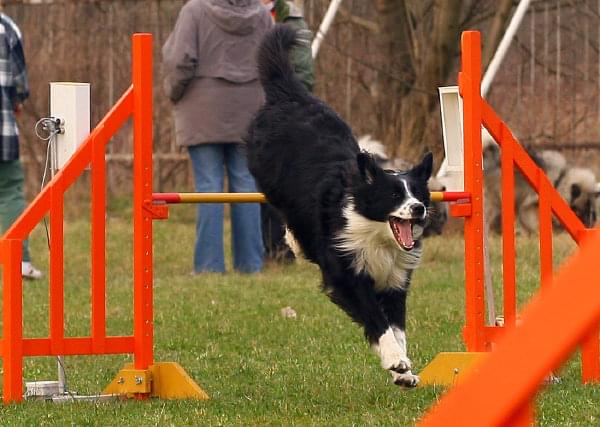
column 258, row 367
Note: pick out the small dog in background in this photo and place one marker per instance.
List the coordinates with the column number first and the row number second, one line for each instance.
column 438, row 212
column 578, row 186
column 526, row 200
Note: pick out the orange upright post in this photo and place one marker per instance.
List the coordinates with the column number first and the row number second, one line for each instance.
column 508, row 236
column 590, row 357
column 142, row 201
column 450, row 367
column 12, row 342
column 145, row 378
column 469, row 83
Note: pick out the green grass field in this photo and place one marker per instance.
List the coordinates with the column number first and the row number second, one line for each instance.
column 259, row 367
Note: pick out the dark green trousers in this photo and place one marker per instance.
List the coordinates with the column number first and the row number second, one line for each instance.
column 12, row 199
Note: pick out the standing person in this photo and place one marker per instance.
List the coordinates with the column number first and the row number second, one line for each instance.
column 15, row 90
column 273, row 228
column 301, row 55
column 212, row 80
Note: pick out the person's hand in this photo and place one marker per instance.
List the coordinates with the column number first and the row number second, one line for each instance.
column 18, row 108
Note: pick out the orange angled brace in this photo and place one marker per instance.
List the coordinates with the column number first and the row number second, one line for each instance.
column 509, row 377
column 469, row 83
column 532, row 172
column 40, row 205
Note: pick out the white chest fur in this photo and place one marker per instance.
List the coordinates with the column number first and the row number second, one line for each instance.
column 375, row 251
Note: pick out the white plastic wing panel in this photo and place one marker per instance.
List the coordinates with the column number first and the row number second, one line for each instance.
column 451, row 172
column 70, row 102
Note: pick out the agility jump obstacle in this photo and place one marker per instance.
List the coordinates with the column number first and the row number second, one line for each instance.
column 144, row 377
column 565, row 314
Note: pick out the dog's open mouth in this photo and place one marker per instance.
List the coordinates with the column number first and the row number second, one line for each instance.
column 402, row 230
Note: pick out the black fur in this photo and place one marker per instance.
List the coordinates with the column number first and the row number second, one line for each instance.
column 308, row 163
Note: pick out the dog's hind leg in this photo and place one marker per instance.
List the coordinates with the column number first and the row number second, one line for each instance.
column 528, row 215
column 292, row 243
column 393, row 304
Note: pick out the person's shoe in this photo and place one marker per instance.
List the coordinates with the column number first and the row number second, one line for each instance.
column 28, row 271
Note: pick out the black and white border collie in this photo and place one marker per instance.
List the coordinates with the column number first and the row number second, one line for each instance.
column 359, row 223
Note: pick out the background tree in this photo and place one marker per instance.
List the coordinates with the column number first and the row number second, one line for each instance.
column 379, row 67
column 419, row 42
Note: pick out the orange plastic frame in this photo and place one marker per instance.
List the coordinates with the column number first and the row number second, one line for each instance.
column 477, row 113
column 136, row 102
column 559, row 318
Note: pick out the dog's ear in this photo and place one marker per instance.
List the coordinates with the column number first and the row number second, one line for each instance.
column 367, row 166
column 423, row 170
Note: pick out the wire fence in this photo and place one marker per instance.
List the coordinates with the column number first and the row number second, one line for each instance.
column 549, row 85
column 547, row 88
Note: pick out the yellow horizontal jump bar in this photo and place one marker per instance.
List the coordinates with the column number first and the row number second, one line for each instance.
column 222, row 198
column 436, row 196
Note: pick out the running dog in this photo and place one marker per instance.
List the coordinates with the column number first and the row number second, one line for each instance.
column 359, row 223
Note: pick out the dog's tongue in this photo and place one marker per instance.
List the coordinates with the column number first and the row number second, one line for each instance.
column 405, row 234
column 402, row 230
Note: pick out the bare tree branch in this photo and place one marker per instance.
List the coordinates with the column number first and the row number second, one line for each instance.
column 494, row 35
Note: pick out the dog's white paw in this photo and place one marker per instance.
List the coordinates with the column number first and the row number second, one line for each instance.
column 396, row 362
column 406, row 379
column 393, row 354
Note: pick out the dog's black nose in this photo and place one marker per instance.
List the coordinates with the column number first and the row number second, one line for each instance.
column 417, row 210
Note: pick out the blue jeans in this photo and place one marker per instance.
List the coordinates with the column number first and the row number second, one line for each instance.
column 209, row 162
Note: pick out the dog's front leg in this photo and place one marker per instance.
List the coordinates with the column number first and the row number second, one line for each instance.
column 392, row 353
column 360, row 301
column 393, row 304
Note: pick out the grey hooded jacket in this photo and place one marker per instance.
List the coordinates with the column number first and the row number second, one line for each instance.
column 210, row 69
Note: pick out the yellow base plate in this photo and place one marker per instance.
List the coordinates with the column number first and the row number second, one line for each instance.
column 166, row 380
column 449, row 368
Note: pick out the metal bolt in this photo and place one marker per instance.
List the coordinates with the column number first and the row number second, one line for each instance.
column 121, row 380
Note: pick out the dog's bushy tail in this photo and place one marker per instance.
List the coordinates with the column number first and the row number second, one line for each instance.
column 274, row 66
